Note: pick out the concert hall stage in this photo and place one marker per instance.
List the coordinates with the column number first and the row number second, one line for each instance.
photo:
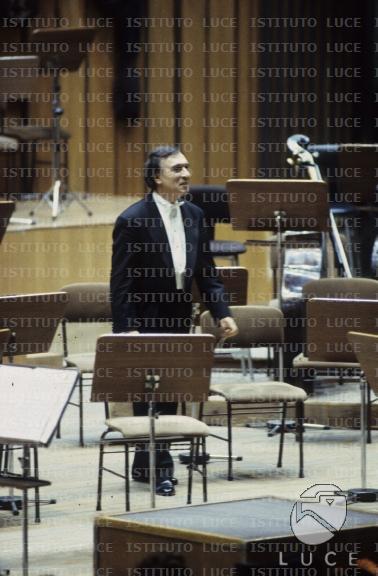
column 77, row 248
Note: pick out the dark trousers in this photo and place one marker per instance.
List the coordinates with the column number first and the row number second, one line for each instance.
column 163, row 459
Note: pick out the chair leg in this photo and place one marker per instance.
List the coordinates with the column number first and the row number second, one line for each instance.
column 299, row 409
column 37, row 496
column 99, row 480
column 282, row 435
column 229, row 439
column 368, row 414
column 190, row 471
column 81, row 421
column 127, row 479
column 204, row 470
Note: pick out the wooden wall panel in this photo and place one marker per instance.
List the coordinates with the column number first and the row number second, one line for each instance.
column 100, row 122
column 40, row 109
column 221, row 91
column 42, row 260
column 193, row 86
column 161, row 120
column 74, row 102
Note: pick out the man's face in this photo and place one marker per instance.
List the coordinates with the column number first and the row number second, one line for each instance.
column 173, row 178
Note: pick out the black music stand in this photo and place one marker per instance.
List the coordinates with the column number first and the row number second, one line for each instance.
column 278, row 205
column 33, row 320
column 153, row 368
column 49, row 43
column 6, row 210
column 32, row 404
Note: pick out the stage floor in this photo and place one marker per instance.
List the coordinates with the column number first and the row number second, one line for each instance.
column 104, row 208
column 62, row 544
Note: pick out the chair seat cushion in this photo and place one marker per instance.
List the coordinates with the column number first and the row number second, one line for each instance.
column 165, row 426
column 83, row 361
column 226, row 247
column 302, row 361
column 264, row 391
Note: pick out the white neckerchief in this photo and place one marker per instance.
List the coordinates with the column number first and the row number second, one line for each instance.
column 174, row 227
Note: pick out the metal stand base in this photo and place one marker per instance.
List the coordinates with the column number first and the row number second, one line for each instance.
column 362, row 495
column 274, row 426
column 56, row 206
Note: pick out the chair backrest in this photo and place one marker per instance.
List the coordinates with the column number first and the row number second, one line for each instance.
column 365, row 347
column 88, row 302
column 32, row 319
column 235, row 280
column 363, row 288
column 258, row 326
column 328, row 323
column 125, row 362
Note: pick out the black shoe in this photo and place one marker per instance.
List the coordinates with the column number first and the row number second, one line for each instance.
column 145, row 480
column 165, row 488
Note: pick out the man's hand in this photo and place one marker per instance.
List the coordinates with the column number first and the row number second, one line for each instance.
column 228, row 327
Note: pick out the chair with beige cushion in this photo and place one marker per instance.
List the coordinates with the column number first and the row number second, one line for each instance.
column 258, row 326
column 309, row 368
column 124, row 366
column 328, row 351
column 88, row 303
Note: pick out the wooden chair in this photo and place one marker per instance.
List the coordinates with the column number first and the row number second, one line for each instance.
column 258, row 326
column 365, row 347
column 126, row 368
column 328, row 350
column 88, row 302
column 330, row 288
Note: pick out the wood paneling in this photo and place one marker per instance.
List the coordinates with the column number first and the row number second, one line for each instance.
column 221, row 122
column 43, row 260
column 193, row 86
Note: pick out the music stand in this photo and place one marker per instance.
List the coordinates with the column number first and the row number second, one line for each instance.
column 32, row 404
column 49, row 43
column 152, row 368
column 278, row 205
column 6, row 210
column 33, row 320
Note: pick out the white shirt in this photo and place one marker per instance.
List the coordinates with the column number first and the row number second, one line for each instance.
column 174, row 227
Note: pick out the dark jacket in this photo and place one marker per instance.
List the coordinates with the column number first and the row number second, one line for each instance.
column 143, row 287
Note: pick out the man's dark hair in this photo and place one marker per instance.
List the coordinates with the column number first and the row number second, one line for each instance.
column 152, row 164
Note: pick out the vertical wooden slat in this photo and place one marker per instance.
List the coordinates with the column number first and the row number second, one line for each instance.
column 100, row 123
column 222, row 81
column 160, row 116
column 193, row 86
column 74, row 103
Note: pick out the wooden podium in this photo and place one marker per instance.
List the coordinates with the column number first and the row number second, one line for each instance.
column 213, row 539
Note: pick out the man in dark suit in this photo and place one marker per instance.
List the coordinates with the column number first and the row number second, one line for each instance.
column 159, row 247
